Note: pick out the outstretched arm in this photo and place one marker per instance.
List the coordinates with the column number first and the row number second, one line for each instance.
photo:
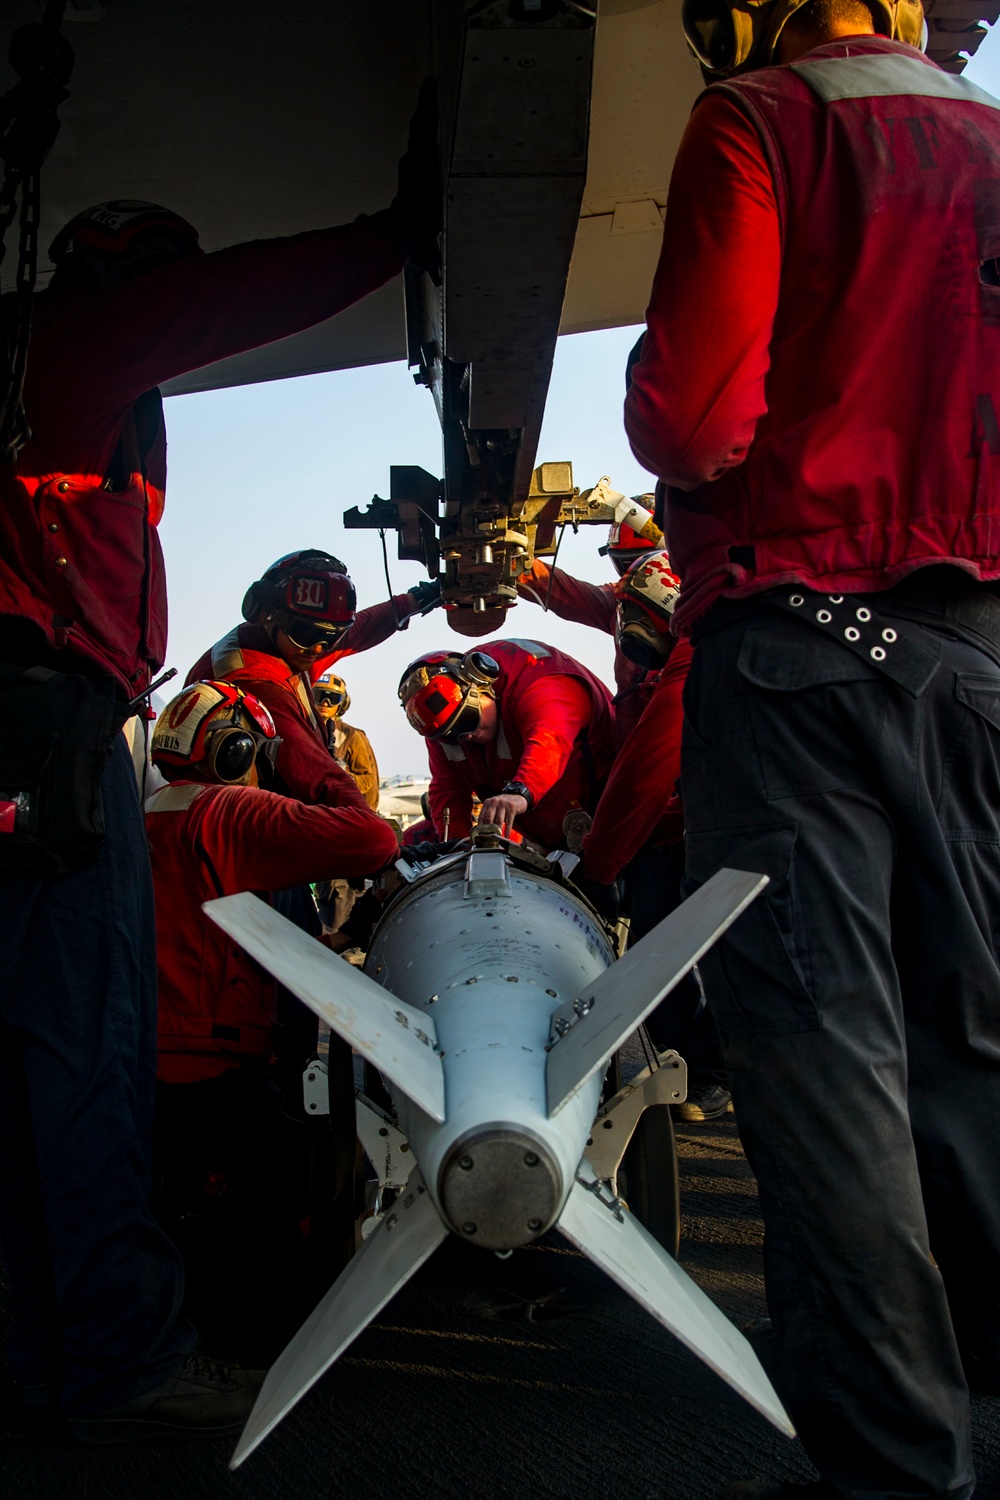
column 569, row 598
column 642, row 778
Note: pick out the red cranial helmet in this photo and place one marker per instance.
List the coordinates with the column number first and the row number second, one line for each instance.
column 112, row 227
column 218, row 728
column 117, row 242
column 306, row 594
column 647, row 597
column 633, row 534
column 442, row 692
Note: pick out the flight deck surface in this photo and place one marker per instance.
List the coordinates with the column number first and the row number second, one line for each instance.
column 478, row 1384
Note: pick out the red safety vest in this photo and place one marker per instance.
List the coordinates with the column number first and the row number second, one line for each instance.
column 485, row 768
column 880, row 447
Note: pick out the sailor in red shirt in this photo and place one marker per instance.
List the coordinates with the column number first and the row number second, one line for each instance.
column 518, row 724
column 133, row 302
column 213, row 831
column 639, row 805
column 633, row 535
column 300, row 619
column 638, row 828
column 818, row 387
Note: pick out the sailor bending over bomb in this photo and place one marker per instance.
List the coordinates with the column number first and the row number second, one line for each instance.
column 222, row 1161
column 521, row 725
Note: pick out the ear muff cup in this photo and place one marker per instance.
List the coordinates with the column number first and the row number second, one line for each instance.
column 252, row 607
column 229, row 754
column 260, row 599
column 640, row 643
column 478, row 669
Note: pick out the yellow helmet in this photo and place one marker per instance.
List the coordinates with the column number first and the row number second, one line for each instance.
column 729, row 38
column 331, row 693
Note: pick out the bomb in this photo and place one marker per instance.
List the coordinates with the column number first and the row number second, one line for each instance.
column 491, row 1002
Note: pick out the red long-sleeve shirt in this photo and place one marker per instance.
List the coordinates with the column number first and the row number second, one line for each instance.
column 248, row 656
column 698, row 391
column 819, row 309
column 216, row 1006
column 537, row 749
column 636, row 804
column 79, row 556
column 596, row 605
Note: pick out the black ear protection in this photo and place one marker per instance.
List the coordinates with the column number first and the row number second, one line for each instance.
column 637, row 638
column 476, row 669
column 253, row 606
column 478, row 673
column 229, row 753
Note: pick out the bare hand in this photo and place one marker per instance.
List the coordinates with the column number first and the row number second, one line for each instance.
column 502, row 810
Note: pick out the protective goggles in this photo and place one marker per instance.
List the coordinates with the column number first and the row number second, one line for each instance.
column 466, row 721
column 309, row 633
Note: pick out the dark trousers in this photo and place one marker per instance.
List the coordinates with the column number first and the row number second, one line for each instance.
column 859, row 1005
column 232, row 1191
column 95, row 1283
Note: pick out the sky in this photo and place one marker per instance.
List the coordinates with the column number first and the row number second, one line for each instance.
column 259, row 471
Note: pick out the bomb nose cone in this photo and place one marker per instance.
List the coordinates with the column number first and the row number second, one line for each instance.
column 499, row 1187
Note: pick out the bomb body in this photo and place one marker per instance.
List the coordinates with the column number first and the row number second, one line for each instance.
column 490, row 951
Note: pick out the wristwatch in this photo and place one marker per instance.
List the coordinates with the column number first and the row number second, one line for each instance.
column 517, row 789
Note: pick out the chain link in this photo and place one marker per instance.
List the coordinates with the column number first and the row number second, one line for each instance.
column 14, row 428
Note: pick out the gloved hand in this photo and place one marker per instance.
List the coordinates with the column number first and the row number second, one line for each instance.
column 426, row 596
column 418, row 205
column 603, row 898
column 420, row 854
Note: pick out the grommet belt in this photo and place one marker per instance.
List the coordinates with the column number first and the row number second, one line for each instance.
column 859, row 628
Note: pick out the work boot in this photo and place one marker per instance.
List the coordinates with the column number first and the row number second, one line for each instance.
column 775, row 1489
column 705, row 1101
column 203, row 1398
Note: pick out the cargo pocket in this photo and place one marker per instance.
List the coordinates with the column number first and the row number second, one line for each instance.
column 758, row 978
column 816, row 710
column 969, row 804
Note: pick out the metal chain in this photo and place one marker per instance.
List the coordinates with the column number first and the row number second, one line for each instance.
column 8, row 207
column 14, row 428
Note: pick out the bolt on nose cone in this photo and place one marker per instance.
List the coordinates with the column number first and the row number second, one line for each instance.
column 499, row 1187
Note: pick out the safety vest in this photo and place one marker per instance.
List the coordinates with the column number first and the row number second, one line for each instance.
column 522, row 663
column 879, row 450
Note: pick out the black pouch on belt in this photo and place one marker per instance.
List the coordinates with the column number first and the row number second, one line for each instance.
column 56, row 734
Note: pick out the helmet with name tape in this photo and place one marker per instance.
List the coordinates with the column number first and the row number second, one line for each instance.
column 647, row 597
column 307, row 594
column 216, row 728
